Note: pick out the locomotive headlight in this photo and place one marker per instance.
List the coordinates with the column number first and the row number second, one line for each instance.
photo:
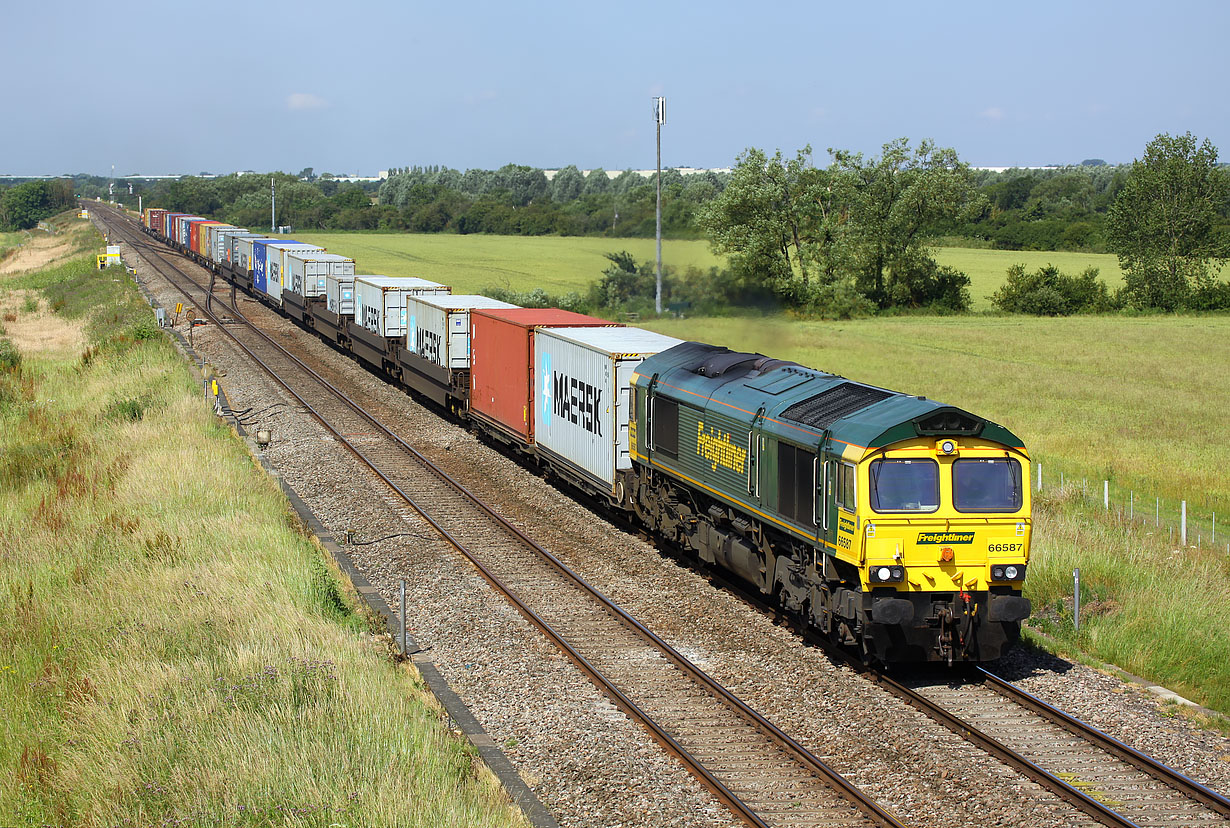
column 1007, row 572
column 887, row 574
column 948, row 446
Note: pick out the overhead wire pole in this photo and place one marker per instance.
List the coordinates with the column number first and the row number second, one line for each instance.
column 273, row 206
column 659, row 115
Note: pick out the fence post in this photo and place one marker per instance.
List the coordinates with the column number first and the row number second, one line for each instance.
column 1076, row 599
column 1132, row 505
column 1157, row 511
column 1039, row 477
column 1106, row 494
column 1213, row 540
column 1183, row 524
column 403, row 616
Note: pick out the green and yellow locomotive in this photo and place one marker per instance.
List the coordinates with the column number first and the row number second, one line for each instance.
column 889, row 522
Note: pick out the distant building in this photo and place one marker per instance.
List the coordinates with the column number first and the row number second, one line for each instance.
column 613, row 174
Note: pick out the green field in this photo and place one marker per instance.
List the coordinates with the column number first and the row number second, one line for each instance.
column 561, row 264
column 10, row 240
column 470, row 263
column 988, row 268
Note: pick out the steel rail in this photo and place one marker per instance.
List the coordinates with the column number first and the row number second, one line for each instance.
column 1142, row 762
column 831, row 777
column 1090, row 806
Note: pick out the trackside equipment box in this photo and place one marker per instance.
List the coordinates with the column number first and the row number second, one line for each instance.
column 582, row 398
column 438, row 330
column 502, row 363
column 380, row 301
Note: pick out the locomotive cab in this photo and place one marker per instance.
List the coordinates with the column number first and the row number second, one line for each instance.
column 940, row 532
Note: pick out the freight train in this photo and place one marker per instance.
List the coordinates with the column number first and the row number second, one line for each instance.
column 890, row 523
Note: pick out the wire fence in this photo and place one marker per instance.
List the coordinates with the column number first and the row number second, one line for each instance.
column 1188, row 524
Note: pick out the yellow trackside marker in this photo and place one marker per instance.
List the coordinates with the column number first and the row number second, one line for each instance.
column 213, row 384
column 179, row 307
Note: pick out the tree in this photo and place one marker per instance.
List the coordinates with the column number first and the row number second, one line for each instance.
column 1164, row 224
column 567, row 184
column 895, row 204
column 775, row 218
column 597, row 182
column 25, row 205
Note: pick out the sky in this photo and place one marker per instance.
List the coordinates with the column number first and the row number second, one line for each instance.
column 356, row 87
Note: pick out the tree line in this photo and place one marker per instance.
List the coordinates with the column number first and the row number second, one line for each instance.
column 856, row 235
column 847, row 237
column 23, row 206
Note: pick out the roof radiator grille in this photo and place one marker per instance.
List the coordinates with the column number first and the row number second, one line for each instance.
column 829, row 406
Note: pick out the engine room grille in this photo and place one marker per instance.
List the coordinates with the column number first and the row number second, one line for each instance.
column 827, row 407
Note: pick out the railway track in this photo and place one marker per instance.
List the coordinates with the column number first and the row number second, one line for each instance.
column 761, row 774
column 1108, row 780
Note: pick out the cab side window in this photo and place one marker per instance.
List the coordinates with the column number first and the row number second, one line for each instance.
column 845, row 494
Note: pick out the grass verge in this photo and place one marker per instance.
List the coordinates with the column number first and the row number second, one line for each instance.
column 173, row 650
column 1147, row 606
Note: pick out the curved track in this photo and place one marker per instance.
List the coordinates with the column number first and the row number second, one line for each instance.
column 760, row 773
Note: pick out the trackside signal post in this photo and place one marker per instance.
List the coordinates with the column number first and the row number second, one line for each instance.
column 659, row 115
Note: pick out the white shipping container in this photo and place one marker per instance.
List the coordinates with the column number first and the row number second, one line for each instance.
column 234, row 256
column 221, row 249
column 582, row 395
column 275, row 265
column 210, row 242
column 438, row 329
column 339, row 294
column 380, row 301
column 308, row 271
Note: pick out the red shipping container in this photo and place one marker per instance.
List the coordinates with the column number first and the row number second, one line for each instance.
column 502, row 371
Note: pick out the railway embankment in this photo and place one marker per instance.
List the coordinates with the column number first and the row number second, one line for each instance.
column 173, row 648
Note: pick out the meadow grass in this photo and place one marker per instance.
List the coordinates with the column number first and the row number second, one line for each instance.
column 10, row 240
column 173, row 649
column 988, row 269
column 560, row 264
column 1147, row 605
column 473, row 262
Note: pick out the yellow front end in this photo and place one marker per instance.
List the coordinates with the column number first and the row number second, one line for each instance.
column 943, row 524
column 952, row 544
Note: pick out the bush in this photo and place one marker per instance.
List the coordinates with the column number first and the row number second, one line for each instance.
column 1048, row 292
column 10, row 357
column 839, row 299
column 922, row 283
column 1210, row 294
